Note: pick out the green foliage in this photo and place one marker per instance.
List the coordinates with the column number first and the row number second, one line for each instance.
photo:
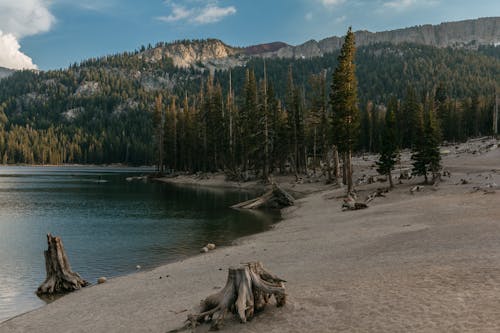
column 344, row 98
column 426, row 155
column 389, row 149
column 103, row 110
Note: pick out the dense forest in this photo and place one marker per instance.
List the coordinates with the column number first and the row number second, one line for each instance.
column 273, row 114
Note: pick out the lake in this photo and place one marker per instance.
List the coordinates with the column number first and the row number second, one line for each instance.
column 108, row 225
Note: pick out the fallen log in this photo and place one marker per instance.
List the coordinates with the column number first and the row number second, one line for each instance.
column 60, row 278
column 351, row 204
column 379, row 193
column 275, row 198
column 248, row 290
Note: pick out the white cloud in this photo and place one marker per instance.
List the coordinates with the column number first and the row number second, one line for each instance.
column 21, row 18
column 213, row 13
column 10, row 56
column 25, row 17
column 406, row 4
column 210, row 13
column 332, row 3
column 340, row 19
column 178, row 13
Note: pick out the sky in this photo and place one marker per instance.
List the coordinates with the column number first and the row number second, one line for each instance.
column 52, row 34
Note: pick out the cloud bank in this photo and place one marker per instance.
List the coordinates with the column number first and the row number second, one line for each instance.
column 210, row 13
column 18, row 19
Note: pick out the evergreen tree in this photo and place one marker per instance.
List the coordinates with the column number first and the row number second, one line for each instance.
column 343, row 100
column 426, row 155
column 389, row 149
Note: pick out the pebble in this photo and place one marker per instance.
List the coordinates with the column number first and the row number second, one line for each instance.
column 101, row 280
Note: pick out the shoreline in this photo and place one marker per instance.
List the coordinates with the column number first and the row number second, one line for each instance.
column 428, row 261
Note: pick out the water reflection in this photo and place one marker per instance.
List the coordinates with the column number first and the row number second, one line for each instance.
column 107, row 228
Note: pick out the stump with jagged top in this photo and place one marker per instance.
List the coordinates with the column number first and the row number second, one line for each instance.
column 60, row 278
column 248, row 290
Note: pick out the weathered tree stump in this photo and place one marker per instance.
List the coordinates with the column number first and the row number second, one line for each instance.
column 248, row 290
column 60, row 278
column 276, row 198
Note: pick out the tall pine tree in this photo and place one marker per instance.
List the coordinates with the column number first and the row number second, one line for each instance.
column 344, row 103
column 389, row 149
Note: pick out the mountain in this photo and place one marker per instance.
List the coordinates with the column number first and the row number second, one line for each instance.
column 214, row 54
column 101, row 110
column 469, row 34
column 5, row 72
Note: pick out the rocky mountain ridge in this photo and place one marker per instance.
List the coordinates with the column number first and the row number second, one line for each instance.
column 215, row 54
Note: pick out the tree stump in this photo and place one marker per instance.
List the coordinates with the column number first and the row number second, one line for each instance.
column 60, row 278
column 248, row 289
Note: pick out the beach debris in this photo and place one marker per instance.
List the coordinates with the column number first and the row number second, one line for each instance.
column 102, row 280
column 210, row 246
column 417, row 188
column 464, row 182
column 138, row 267
column 248, row 290
column 275, row 198
column 204, row 249
column 60, row 278
column 379, row 193
column 351, row 204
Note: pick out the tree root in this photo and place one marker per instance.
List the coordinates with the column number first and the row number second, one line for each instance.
column 248, row 290
column 60, row 278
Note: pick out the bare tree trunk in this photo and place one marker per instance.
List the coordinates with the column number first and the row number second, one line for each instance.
column 391, row 183
column 344, row 168
column 350, row 186
column 60, row 277
column 336, row 162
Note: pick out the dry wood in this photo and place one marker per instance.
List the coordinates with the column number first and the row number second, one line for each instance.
column 351, row 204
column 60, row 278
column 248, row 289
column 276, row 198
column 379, row 193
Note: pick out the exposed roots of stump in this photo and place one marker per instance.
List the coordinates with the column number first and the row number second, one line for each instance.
column 248, row 290
column 60, row 278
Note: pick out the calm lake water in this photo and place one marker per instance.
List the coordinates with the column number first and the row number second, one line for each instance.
column 108, row 225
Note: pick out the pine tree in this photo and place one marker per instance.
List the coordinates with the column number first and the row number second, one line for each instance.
column 343, row 100
column 389, row 149
column 426, row 155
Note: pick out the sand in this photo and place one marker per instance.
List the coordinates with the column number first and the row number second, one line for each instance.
column 428, row 262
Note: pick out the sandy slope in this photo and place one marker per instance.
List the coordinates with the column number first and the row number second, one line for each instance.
column 428, row 262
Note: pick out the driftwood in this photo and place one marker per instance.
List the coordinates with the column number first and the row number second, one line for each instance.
column 248, row 290
column 275, row 198
column 379, row 193
column 60, row 277
column 351, row 204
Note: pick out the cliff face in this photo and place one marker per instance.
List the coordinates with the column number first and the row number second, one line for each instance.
column 187, row 53
column 214, row 54
column 464, row 34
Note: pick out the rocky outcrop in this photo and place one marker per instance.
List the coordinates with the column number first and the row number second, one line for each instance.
column 188, row 53
column 463, row 34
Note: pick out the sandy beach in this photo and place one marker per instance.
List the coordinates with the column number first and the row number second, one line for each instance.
column 422, row 262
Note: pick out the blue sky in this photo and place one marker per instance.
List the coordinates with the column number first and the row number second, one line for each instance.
column 50, row 34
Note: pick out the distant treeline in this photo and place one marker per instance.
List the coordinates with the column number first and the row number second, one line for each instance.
column 61, row 117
